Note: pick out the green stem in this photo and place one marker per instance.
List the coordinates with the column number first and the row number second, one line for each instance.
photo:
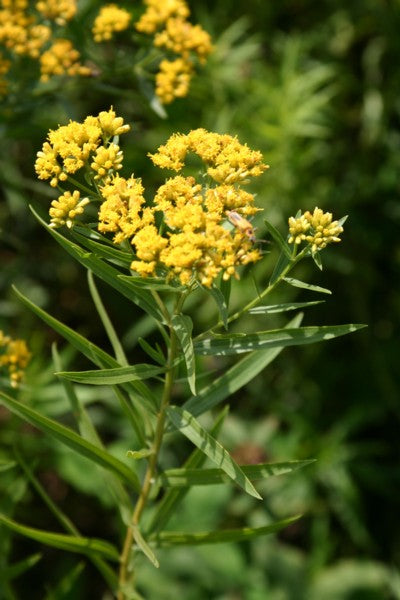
column 82, row 186
column 124, row 576
column 269, row 288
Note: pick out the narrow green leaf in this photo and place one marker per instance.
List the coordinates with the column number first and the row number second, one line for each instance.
column 317, row 259
column 71, row 439
column 70, row 543
column 183, row 327
column 282, row 262
column 13, row 571
column 237, row 343
column 187, row 424
column 151, row 283
column 220, row 301
column 225, row 287
column 95, row 354
column 278, row 239
column 278, row 308
column 65, row 586
column 102, row 250
column 113, row 376
column 220, row 537
column 106, row 272
column 143, row 545
column 6, row 465
column 169, row 503
column 190, row 477
column 105, row 319
column 235, row 378
column 154, row 353
column 306, row 286
column 139, row 454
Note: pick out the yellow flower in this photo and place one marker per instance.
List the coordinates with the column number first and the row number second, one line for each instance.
column 106, row 160
column 121, row 212
column 59, row 11
column 61, row 59
column 157, row 13
column 182, row 37
column 15, row 356
column 111, row 19
column 298, row 229
column 173, row 79
column 111, row 125
column 64, row 210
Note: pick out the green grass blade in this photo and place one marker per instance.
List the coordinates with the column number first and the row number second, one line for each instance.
column 238, row 343
column 183, row 327
column 306, row 286
column 278, row 308
column 169, row 503
column 223, row 536
column 72, row 440
column 234, row 378
column 113, row 376
column 189, row 477
column 189, row 427
column 105, row 319
column 15, row 570
column 70, row 543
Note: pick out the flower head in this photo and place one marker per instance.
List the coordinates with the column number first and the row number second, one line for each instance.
column 15, row 356
column 316, row 228
column 111, row 19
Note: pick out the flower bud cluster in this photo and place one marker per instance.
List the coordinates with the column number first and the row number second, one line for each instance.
column 317, row 229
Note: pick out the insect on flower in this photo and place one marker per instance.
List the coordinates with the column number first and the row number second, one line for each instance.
column 241, row 224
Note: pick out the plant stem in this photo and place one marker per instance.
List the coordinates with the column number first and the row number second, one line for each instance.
column 151, row 468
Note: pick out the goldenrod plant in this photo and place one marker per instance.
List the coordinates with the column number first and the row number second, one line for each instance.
column 192, row 236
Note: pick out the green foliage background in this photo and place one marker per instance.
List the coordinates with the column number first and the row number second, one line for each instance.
column 315, row 86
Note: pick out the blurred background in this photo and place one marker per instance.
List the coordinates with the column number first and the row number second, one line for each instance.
column 315, row 87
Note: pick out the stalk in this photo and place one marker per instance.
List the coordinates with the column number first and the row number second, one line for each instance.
column 152, row 465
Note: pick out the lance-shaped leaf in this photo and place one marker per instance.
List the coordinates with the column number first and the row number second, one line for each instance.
column 306, row 286
column 183, row 327
column 95, row 354
column 106, row 272
column 282, row 266
column 102, row 250
column 151, row 283
column 191, row 428
column 10, row 572
column 278, row 308
column 234, row 378
column 223, row 536
column 70, row 543
column 113, row 376
column 238, row 343
column 190, row 477
column 221, row 302
column 71, row 439
column 278, row 239
column 144, row 546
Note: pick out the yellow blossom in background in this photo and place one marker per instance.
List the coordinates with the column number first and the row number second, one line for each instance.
column 111, row 19
column 4, row 68
column 315, row 228
column 173, row 79
column 68, row 206
column 14, row 356
column 157, row 13
column 181, row 37
column 61, row 59
column 59, row 11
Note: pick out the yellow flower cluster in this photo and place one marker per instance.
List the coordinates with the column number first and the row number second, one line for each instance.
column 61, row 59
column 191, row 230
column 315, row 228
column 59, row 11
column 110, row 20
column 168, row 21
column 23, row 33
column 4, row 68
column 15, row 356
column 75, row 145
